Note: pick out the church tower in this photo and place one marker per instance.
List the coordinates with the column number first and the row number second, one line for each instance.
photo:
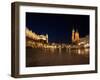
column 73, row 37
column 77, row 36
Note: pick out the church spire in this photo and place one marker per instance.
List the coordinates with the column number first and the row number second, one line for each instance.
column 76, row 30
column 73, row 30
column 73, row 35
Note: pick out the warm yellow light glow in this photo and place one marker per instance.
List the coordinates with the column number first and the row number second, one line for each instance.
column 75, row 36
column 35, row 36
column 41, row 41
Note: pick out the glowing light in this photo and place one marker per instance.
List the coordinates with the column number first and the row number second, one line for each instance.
column 35, row 36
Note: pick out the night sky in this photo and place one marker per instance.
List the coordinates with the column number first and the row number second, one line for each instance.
column 57, row 26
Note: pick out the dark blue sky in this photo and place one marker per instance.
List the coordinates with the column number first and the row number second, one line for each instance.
column 57, row 26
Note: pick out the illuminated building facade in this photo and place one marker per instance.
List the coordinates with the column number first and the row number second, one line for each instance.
column 35, row 37
column 41, row 41
column 75, row 36
column 84, row 41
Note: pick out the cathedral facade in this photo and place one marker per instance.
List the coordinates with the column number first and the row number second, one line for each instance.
column 75, row 36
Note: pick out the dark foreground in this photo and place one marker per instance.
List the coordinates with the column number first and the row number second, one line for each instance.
column 53, row 57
